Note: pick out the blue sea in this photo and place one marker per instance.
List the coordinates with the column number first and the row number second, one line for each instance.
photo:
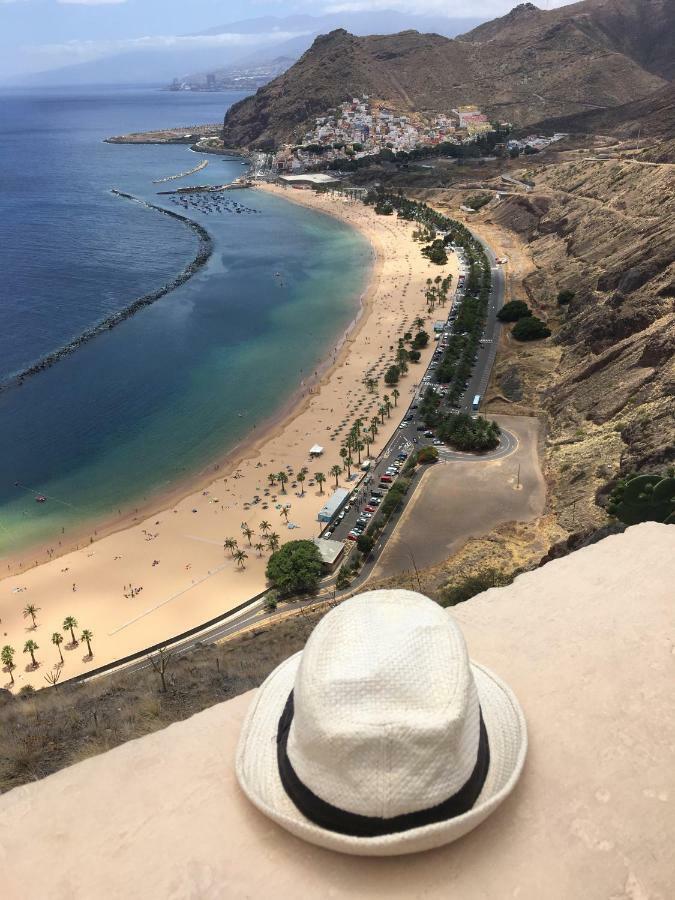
column 135, row 410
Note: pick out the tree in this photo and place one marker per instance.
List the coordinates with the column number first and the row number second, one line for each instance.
column 272, row 478
column 565, row 297
column 30, row 647
column 396, row 394
column 511, row 312
column 295, row 568
column 374, row 426
column 32, row 611
column 241, row 556
column 273, row 541
column 414, row 355
column 259, row 548
column 231, row 544
column 427, row 455
column 284, row 512
column 264, row 526
column 248, row 531
column 371, row 384
column 392, row 375
column 320, row 479
column 70, row 624
column 418, row 323
column 382, row 409
column 530, row 329
column 360, row 447
column 420, row 340
column 365, row 543
column 342, row 581
column 7, row 657
column 387, row 405
column 87, row 636
column 160, row 662
column 301, row 479
column 57, row 639
column 336, row 471
column 282, row 478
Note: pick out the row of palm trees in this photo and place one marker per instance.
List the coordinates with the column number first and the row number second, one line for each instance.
column 69, row 624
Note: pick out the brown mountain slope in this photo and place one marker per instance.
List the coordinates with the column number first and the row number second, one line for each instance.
column 643, row 30
column 538, row 65
column 603, row 229
column 652, row 116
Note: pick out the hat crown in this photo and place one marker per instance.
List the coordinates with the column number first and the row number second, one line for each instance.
column 386, row 714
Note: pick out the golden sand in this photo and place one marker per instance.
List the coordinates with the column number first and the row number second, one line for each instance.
column 175, row 556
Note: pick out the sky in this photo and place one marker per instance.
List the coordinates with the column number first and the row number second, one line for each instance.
column 38, row 35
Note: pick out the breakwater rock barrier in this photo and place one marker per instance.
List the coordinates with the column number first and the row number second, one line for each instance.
column 202, row 165
column 204, row 251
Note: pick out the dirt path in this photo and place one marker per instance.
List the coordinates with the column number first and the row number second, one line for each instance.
column 459, row 500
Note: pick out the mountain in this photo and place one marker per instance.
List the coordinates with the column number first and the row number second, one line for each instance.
column 643, row 30
column 527, row 66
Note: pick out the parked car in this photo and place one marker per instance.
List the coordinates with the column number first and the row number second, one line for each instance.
column 369, row 509
column 438, row 443
column 353, row 536
column 374, row 501
column 386, row 479
column 378, row 494
column 428, row 434
column 421, row 427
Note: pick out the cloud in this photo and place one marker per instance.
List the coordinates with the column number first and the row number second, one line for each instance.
column 452, row 8
column 86, row 50
column 89, row 2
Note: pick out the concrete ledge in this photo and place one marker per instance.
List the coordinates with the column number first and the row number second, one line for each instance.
column 586, row 642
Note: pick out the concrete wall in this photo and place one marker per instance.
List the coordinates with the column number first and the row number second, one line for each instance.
column 586, row 643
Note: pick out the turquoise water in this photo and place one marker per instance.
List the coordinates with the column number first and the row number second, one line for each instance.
column 172, row 389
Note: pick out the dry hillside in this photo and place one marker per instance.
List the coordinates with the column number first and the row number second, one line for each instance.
column 529, row 66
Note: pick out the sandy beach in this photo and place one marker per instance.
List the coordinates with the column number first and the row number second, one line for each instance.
column 156, row 577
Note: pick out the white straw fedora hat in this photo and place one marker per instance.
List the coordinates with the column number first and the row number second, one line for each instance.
column 381, row 737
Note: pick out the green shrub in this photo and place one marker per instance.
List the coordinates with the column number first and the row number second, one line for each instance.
column 295, row 568
column 365, row 543
column 530, row 329
column 392, row 375
column 452, row 594
column 511, row 312
column 644, row 498
column 427, row 455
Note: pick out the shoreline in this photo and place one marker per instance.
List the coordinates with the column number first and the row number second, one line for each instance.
column 247, row 447
column 204, row 252
column 172, row 547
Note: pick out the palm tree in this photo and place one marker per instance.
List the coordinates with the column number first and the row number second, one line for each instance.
column 248, row 531
column 344, row 453
column 419, row 321
column 395, row 394
column 7, row 657
column 273, row 542
column 360, row 447
column 240, row 556
column 230, row 544
column 301, row 478
column 284, row 512
column 374, row 426
column 69, row 624
column 282, row 478
column 32, row 611
column 30, row 647
column 336, row 471
column 349, row 462
column 358, row 425
column 87, row 636
column 259, row 548
column 387, row 405
column 371, row 384
column 264, row 526
column 57, row 638
column 320, row 478
column 272, row 478
column 367, row 439
column 382, row 410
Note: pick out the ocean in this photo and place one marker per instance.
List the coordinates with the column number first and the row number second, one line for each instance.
column 133, row 412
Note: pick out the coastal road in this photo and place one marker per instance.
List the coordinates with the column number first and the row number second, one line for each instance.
column 409, row 436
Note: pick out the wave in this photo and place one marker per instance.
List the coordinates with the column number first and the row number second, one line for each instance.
column 204, row 251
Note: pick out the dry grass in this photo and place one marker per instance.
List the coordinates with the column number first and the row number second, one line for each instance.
column 43, row 732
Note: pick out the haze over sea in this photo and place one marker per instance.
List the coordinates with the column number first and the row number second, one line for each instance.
column 172, row 389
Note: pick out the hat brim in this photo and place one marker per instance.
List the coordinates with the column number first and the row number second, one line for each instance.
column 258, row 773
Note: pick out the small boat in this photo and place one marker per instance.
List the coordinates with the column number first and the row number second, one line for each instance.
column 40, row 498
